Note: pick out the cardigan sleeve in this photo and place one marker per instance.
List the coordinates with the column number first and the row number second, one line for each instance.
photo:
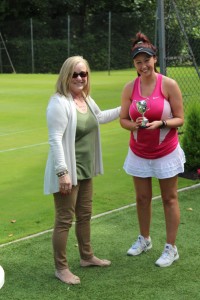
column 104, row 116
column 57, row 121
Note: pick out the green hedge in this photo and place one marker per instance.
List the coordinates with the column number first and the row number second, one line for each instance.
column 191, row 138
column 50, row 54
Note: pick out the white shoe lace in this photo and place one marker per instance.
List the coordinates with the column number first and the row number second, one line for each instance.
column 167, row 254
column 140, row 243
column 137, row 244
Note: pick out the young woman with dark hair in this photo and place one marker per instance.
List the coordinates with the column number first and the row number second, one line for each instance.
column 154, row 149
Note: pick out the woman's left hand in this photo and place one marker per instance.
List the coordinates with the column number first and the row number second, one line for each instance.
column 153, row 125
column 65, row 185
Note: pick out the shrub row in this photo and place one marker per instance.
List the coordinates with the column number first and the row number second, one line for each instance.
column 50, row 54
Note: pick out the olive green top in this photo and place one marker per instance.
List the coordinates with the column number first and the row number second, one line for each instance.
column 85, row 144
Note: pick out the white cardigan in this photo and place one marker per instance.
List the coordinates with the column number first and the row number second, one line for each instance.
column 61, row 121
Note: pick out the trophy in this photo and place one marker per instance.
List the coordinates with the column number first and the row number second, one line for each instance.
column 142, row 106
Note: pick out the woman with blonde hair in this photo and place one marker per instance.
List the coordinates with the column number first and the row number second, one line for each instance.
column 74, row 159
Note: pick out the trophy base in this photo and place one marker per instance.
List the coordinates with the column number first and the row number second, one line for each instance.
column 144, row 122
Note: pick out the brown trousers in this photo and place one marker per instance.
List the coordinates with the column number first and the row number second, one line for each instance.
column 78, row 203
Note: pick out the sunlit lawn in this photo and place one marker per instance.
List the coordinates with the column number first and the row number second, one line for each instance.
column 23, row 152
column 29, row 264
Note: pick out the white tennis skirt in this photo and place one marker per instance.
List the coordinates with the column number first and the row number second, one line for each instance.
column 165, row 167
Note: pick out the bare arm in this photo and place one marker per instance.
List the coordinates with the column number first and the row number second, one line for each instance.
column 125, row 119
column 175, row 99
column 172, row 92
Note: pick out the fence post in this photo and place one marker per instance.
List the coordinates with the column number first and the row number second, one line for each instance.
column 4, row 47
column 1, row 64
column 161, row 36
column 68, row 35
column 109, row 40
column 32, row 47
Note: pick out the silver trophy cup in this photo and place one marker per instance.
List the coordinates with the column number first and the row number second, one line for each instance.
column 142, row 107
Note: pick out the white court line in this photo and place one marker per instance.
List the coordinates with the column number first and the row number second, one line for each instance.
column 44, row 143
column 28, row 130
column 95, row 217
column 21, row 131
column 23, row 147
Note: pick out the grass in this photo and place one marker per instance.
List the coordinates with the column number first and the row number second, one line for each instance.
column 25, row 210
column 23, row 152
column 29, row 265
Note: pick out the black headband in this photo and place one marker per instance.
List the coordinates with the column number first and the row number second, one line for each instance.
column 138, row 50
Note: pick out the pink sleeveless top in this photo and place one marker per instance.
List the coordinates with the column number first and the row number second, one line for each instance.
column 155, row 143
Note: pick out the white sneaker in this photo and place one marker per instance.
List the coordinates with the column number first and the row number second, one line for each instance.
column 2, row 277
column 141, row 245
column 169, row 255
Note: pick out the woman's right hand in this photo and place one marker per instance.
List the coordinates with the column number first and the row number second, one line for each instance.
column 65, row 185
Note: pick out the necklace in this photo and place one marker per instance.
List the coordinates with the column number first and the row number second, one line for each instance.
column 81, row 104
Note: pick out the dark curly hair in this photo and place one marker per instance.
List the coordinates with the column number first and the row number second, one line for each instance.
column 141, row 40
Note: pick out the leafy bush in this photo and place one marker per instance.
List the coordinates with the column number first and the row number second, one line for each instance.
column 195, row 45
column 191, row 138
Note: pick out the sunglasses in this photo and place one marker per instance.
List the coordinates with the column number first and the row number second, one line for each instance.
column 81, row 74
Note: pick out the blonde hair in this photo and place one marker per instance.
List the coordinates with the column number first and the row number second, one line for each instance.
column 66, row 72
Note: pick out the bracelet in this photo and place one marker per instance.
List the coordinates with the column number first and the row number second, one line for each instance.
column 60, row 174
column 164, row 124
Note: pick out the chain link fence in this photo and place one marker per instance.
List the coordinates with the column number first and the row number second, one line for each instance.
column 41, row 47
column 33, row 46
column 182, row 33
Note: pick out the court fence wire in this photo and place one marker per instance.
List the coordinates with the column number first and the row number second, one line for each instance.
column 36, row 46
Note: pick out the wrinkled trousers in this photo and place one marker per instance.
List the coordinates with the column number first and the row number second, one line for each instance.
column 78, row 204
